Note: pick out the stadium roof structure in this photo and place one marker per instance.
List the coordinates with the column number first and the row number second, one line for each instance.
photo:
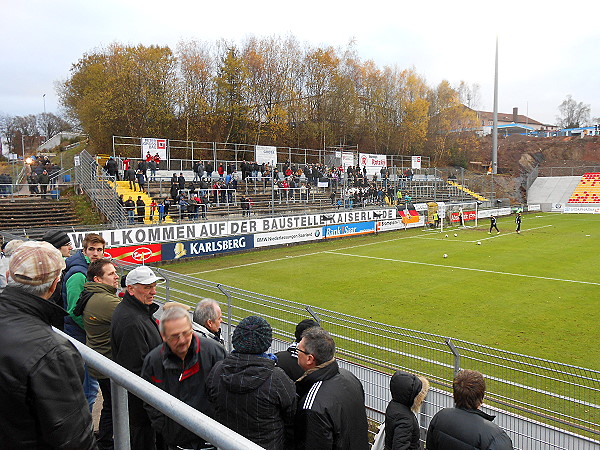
column 514, row 128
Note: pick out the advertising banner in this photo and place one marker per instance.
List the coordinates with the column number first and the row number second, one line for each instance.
column 154, row 146
column 265, row 154
column 353, row 229
column 189, row 249
column 467, row 215
column 137, row 254
column 483, row 213
column 373, row 163
column 416, row 162
column 582, row 210
column 534, row 207
column 287, row 237
column 173, row 232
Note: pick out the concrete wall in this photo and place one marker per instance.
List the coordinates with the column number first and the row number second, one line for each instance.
column 552, row 192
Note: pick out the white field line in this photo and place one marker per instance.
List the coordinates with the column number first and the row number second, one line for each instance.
column 463, row 268
column 510, row 233
column 419, row 236
column 300, row 256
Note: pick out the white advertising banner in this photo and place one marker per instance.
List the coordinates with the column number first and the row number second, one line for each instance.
column 287, row 237
column 534, row 207
column 581, row 210
column 154, row 146
column 416, row 162
column 372, row 162
column 170, row 233
column 484, row 213
column 265, row 154
column 558, row 207
column 347, row 159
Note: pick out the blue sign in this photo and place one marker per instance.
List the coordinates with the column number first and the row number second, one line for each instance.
column 349, row 229
column 190, row 249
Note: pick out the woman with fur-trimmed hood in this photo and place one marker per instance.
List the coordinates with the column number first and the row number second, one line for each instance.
column 401, row 426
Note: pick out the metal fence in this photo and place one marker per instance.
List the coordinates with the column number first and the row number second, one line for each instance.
column 89, row 176
column 540, row 403
column 122, row 381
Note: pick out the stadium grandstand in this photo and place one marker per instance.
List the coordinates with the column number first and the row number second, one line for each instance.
column 228, row 198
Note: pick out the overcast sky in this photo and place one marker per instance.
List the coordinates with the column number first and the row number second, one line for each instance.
column 546, row 51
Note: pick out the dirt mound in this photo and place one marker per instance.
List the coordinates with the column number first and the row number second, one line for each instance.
column 519, row 154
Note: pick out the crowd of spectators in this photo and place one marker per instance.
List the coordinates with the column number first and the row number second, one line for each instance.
column 299, row 398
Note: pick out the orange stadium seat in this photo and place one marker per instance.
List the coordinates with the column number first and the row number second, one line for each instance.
column 588, row 189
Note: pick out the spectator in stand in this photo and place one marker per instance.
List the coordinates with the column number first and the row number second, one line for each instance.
column 208, row 319
column 129, row 175
column 8, row 248
column 181, row 181
column 73, row 280
column 142, row 166
column 153, row 205
column 401, row 426
column 112, row 168
column 97, row 304
column 465, row 425
column 126, row 163
column 133, row 334
column 140, row 209
column 195, row 169
column 250, row 394
column 129, row 209
column 288, row 359
column 331, row 409
column 152, row 166
column 44, row 179
column 141, row 180
column 42, row 404
column 221, row 171
column 148, row 156
column 62, row 242
column 33, row 182
column 156, row 159
column 180, row 366
column 120, row 201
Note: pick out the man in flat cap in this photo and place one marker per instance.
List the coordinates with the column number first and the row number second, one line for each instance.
column 42, row 404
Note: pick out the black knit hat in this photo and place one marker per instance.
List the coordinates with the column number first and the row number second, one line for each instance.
column 304, row 325
column 252, row 335
column 56, row 238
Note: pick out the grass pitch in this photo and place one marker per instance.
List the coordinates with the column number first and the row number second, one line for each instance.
column 536, row 293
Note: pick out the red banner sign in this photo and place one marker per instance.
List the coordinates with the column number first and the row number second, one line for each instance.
column 467, row 215
column 137, row 254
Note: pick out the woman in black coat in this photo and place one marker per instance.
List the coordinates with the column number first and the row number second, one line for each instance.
column 401, row 426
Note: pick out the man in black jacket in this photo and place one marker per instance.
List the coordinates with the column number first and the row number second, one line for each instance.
column 180, row 366
column 465, row 425
column 133, row 334
column 42, row 404
column 331, row 410
column 250, row 395
column 288, row 359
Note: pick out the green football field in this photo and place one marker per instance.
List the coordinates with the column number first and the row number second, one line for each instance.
column 536, row 293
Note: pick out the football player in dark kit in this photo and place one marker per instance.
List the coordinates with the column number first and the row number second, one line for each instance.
column 518, row 222
column 493, row 225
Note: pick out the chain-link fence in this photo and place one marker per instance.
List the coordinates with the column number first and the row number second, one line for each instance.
column 540, row 403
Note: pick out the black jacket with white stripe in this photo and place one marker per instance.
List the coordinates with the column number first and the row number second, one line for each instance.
column 331, row 411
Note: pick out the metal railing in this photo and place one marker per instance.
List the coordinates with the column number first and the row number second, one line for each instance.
column 89, row 176
column 540, row 403
column 567, row 171
column 123, row 381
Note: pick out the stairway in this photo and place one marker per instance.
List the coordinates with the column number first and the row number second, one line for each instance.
column 123, row 188
column 468, row 191
column 30, row 212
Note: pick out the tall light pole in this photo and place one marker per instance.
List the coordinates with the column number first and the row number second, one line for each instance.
column 44, row 97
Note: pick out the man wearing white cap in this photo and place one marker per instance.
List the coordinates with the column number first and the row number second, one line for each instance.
column 42, row 405
column 134, row 332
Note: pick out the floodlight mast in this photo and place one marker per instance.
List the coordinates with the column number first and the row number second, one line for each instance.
column 495, row 124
